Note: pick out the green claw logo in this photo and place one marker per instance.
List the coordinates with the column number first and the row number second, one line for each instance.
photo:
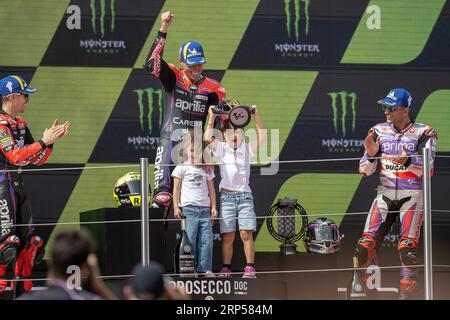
column 102, row 15
column 152, row 95
column 295, row 7
column 344, row 97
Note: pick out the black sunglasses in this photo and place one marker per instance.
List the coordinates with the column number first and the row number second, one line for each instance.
column 391, row 108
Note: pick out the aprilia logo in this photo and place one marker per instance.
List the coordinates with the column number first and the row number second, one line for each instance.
column 195, row 106
column 159, row 173
column 5, row 218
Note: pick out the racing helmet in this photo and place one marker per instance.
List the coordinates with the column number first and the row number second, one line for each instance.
column 127, row 190
column 322, row 236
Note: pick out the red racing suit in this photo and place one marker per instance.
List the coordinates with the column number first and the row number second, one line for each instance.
column 400, row 189
column 17, row 244
column 185, row 106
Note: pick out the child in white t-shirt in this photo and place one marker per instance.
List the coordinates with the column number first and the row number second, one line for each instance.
column 236, row 199
column 195, row 198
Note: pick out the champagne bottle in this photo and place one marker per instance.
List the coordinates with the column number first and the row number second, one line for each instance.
column 184, row 254
column 356, row 290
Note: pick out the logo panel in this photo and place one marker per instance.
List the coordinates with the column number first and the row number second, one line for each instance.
column 295, row 33
column 133, row 128
column 150, row 105
column 102, row 33
column 297, row 27
column 343, row 106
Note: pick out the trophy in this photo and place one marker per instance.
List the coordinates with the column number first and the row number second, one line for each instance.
column 238, row 115
column 287, row 210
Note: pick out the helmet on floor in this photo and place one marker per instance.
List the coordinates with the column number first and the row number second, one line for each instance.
column 127, row 190
column 322, row 236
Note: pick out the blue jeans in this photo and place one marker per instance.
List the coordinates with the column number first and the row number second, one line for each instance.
column 200, row 234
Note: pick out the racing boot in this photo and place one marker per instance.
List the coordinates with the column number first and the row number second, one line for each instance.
column 408, row 286
column 31, row 255
column 8, row 253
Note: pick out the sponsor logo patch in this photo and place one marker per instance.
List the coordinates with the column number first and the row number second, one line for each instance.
column 7, row 144
column 200, row 97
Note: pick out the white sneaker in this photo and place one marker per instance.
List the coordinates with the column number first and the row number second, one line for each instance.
column 209, row 274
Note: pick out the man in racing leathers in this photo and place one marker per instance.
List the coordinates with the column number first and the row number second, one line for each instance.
column 18, row 244
column 187, row 96
column 398, row 142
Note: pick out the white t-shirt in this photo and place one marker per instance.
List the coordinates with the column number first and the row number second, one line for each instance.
column 194, row 185
column 234, row 166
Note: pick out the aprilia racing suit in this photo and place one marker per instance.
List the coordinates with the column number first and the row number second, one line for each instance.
column 400, row 189
column 18, row 245
column 185, row 106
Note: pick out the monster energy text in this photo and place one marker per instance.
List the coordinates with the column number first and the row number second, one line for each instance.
column 297, row 29
column 100, row 27
column 340, row 101
column 149, row 102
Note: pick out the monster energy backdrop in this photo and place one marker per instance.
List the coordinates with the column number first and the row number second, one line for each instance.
column 315, row 68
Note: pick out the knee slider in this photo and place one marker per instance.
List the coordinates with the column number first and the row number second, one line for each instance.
column 37, row 246
column 8, row 249
column 163, row 199
column 365, row 249
column 408, row 251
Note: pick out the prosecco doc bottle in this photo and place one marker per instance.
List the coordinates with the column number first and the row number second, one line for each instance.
column 356, row 289
column 184, row 254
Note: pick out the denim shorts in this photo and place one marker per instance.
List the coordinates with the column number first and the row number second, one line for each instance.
column 237, row 205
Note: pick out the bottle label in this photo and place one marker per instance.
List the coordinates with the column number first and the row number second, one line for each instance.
column 190, row 269
column 187, row 256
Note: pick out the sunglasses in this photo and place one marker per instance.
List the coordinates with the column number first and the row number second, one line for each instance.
column 391, row 108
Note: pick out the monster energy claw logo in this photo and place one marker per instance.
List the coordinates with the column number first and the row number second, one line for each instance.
column 100, row 44
column 150, row 94
column 340, row 102
column 288, row 4
column 294, row 26
column 102, row 15
column 147, row 113
column 344, row 95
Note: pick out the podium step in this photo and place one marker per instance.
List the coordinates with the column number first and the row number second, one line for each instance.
column 232, row 288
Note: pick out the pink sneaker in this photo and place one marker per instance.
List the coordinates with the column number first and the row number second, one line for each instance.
column 225, row 273
column 249, row 272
